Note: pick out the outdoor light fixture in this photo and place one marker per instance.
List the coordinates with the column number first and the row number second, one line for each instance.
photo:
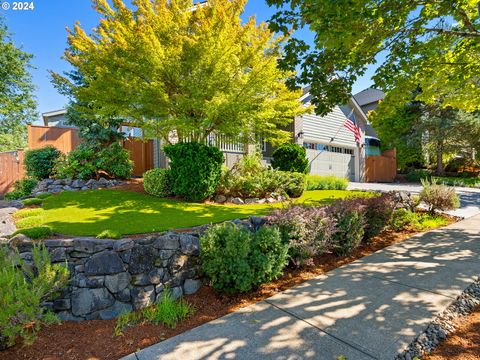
column 300, row 135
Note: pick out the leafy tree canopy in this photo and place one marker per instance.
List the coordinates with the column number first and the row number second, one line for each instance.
column 17, row 104
column 168, row 66
column 431, row 44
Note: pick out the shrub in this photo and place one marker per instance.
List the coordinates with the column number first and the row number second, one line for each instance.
column 350, row 225
column 418, row 174
column 249, row 179
column 23, row 288
column 378, row 214
column 236, row 260
column 32, row 201
column 109, row 234
column 91, row 160
column 167, row 311
column 195, row 169
column 157, row 182
column 293, row 184
column 21, row 188
column 307, row 230
column 290, row 157
column 438, row 197
column 318, row 182
column 40, row 163
column 37, row 232
column 403, row 219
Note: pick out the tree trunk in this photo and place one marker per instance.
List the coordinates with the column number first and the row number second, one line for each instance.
column 440, row 158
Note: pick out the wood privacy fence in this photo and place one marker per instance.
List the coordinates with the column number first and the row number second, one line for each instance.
column 64, row 139
column 381, row 168
column 141, row 153
column 11, row 169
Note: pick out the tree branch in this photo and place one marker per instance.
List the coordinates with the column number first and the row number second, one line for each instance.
column 464, row 34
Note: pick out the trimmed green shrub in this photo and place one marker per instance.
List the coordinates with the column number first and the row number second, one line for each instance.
column 403, row 219
column 418, row 174
column 32, row 201
column 307, row 230
column 157, row 182
column 23, row 288
column 236, row 260
column 290, row 157
column 195, row 169
column 40, row 163
column 21, row 188
column 90, row 161
column 350, row 225
column 438, row 197
column 35, row 233
column 318, row 182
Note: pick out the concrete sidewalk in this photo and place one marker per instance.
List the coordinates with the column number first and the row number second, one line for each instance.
column 369, row 309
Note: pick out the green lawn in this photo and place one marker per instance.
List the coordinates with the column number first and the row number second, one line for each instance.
column 91, row 212
column 473, row 182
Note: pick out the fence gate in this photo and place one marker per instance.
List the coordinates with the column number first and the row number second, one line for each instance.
column 141, row 153
column 11, row 169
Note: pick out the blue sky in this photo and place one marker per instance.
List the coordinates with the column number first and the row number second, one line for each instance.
column 42, row 33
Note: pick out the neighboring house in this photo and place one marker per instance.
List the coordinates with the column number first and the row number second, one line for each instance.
column 369, row 98
column 57, row 118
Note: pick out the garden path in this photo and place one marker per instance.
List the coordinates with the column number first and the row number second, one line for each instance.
column 369, row 309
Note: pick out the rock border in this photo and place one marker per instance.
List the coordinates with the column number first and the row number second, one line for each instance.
column 58, row 185
column 443, row 324
column 222, row 199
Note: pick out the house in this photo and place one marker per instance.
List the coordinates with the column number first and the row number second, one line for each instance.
column 369, row 98
column 57, row 118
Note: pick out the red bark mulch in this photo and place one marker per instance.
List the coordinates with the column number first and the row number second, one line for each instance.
column 94, row 339
column 464, row 343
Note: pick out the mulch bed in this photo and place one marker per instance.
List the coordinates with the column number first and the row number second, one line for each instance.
column 95, row 340
column 464, row 343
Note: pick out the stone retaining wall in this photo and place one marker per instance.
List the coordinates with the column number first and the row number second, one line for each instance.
column 112, row 276
column 59, row 185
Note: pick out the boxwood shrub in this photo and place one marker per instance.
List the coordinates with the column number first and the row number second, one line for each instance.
column 157, row 182
column 290, row 157
column 21, row 188
column 195, row 169
column 237, row 260
column 40, row 163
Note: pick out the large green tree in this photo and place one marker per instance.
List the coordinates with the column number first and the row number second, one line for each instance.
column 422, row 131
column 431, row 44
column 17, row 104
column 173, row 68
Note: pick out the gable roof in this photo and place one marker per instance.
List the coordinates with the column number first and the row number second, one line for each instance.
column 368, row 96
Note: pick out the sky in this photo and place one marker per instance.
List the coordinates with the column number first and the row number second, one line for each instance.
column 42, row 32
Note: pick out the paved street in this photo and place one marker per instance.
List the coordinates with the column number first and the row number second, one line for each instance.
column 369, row 309
column 469, row 197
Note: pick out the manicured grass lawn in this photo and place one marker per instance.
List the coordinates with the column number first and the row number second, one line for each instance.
column 459, row 181
column 91, row 212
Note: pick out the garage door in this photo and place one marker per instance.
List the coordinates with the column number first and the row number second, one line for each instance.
column 331, row 163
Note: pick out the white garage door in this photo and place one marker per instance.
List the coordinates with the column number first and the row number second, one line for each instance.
column 331, row 163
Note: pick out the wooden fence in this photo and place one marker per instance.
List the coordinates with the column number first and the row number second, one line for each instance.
column 141, row 153
column 381, row 168
column 64, row 139
column 11, row 169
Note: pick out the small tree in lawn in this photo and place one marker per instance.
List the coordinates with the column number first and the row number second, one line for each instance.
column 170, row 67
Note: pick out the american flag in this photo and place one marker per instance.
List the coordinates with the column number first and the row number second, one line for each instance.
column 352, row 126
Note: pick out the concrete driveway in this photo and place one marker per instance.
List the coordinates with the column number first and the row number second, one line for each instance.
column 469, row 197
